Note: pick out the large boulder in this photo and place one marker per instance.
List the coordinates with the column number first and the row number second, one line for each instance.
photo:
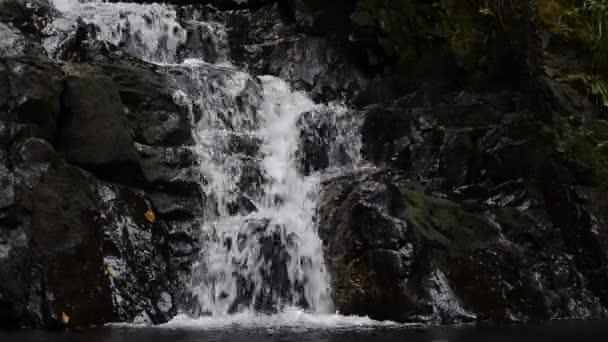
column 34, row 88
column 93, row 132
column 78, row 246
column 67, row 242
column 399, row 251
column 267, row 41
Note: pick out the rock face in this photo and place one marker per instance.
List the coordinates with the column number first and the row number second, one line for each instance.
column 76, row 180
column 479, row 207
column 485, row 125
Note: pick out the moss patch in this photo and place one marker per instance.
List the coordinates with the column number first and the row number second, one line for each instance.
column 441, row 222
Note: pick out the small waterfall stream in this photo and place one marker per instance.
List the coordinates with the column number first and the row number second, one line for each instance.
column 260, row 250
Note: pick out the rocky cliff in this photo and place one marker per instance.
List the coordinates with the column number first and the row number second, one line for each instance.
column 483, row 124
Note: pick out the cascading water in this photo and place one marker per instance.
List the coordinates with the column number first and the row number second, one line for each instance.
column 260, row 251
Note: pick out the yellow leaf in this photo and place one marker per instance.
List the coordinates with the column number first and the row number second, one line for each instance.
column 486, row 11
column 65, row 318
column 150, row 216
column 112, row 272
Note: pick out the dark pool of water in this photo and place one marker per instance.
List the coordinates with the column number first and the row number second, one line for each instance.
column 554, row 332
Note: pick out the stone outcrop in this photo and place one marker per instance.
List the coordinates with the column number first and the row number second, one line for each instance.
column 485, row 125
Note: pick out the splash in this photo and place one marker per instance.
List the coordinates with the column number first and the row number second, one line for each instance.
column 289, row 318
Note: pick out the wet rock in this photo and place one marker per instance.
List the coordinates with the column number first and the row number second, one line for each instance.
column 29, row 16
column 135, row 256
column 67, row 240
column 140, row 85
column 13, row 43
column 93, row 132
column 160, row 164
column 453, row 262
column 266, row 42
column 68, row 225
column 160, row 128
column 33, row 150
column 34, row 94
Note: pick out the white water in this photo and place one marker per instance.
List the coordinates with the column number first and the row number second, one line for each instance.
column 235, row 245
column 289, row 318
column 260, row 250
column 150, row 32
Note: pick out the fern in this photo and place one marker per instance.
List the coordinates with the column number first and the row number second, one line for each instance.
column 597, row 11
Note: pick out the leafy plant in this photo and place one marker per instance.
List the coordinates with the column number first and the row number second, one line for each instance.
column 597, row 12
column 595, row 83
column 486, row 11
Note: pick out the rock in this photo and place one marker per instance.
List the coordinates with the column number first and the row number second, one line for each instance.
column 224, row 5
column 34, row 97
column 160, row 164
column 135, row 256
column 93, row 133
column 266, row 42
column 68, row 240
column 29, row 16
column 92, row 233
column 33, row 150
column 452, row 263
column 160, row 128
column 13, row 43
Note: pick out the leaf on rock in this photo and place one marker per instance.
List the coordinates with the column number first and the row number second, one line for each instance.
column 112, row 272
column 65, row 318
column 150, row 216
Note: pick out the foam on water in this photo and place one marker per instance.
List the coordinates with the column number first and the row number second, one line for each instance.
column 290, row 318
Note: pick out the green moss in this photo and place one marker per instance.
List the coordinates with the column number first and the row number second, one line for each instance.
column 54, row 105
column 582, row 24
column 565, row 20
column 442, row 222
column 547, row 134
column 589, row 147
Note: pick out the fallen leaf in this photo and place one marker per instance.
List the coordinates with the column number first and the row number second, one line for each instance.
column 65, row 318
column 150, row 216
column 280, row 40
column 112, row 272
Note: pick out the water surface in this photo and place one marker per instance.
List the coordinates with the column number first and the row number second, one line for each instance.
column 555, row 331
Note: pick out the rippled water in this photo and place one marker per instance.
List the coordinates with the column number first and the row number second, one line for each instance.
column 555, row 332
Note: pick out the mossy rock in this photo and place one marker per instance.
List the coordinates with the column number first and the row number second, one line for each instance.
column 565, row 20
column 588, row 148
column 442, row 223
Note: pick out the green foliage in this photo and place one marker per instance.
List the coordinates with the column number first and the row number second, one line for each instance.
column 565, row 20
column 465, row 39
column 583, row 23
column 597, row 13
column 486, row 11
column 588, row 146
column 596, row 85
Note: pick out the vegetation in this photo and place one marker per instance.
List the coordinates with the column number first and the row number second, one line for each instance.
column 583, row 26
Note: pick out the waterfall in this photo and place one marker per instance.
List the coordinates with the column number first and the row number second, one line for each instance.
column 260, row 249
